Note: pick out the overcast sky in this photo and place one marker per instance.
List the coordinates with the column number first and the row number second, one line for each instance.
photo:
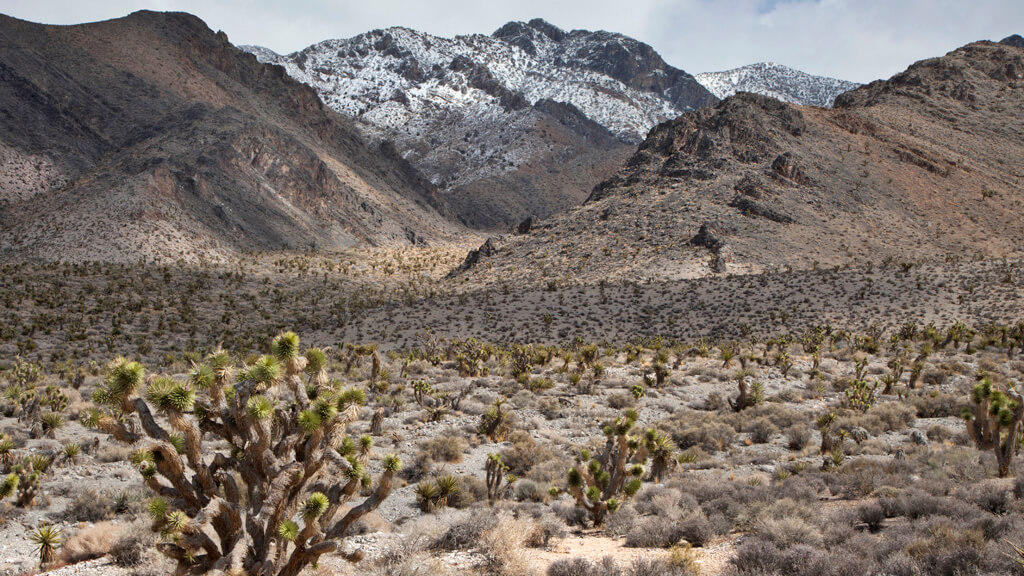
column 858, row 40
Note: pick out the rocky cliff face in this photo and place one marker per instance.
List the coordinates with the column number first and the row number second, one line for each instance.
column 153, row 137
column 925, row 165
column 777, row 81
column 520, row 123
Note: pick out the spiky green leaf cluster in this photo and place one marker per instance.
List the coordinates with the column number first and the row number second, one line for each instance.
column 315, row 506
column 288, row 530
column 9, row 486
column 259, row 407
column 124, row 378
column 309, row 421
column 285, row 346
column 157, row 508
column 170, row 396
column 316, row 360
column 351, row 396
column 266, row 370
column 392, row 463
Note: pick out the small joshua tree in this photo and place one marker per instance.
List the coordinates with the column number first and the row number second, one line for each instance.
column 272, row 502
column 597, row 482
column 994, row 421
column 23, row 481
column 497, row 476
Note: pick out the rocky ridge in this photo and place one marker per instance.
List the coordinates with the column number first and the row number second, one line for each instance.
column 925, row 165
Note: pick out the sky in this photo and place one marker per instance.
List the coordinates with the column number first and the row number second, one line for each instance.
column 858, row 40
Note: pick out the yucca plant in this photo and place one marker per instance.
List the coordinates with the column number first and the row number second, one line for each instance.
column 47, row 539
column 71, row 452
column 426, row 494
column 6, row 451
column 52, row 421
column 277, row 497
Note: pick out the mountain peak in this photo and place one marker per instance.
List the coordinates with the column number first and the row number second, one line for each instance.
column 1015, row 40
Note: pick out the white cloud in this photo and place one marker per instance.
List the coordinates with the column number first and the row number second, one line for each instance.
column 852, row 39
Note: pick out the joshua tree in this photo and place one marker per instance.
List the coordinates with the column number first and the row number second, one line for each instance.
column 661, row 450
column 239, row 509
column 23, row 480
column 498, row 478
column 494, row 423
column 596, row 482
column 994, row 421
column 828, row 436
column 748, row 396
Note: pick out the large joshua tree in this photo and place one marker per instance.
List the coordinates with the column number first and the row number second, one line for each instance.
column 271, row 502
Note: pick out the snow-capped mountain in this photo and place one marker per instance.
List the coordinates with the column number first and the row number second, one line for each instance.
column 531, row 116
column 778, row 81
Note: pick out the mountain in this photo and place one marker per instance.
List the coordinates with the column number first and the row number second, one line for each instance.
column 924, row 166
column 520, row 123
column 1016, row 41
column 778, row 81
column 151, row 136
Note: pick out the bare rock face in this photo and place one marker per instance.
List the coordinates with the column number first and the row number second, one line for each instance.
column 165, row 141
column 486, row 250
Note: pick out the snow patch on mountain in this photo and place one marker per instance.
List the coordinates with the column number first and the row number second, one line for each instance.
column 777, row 81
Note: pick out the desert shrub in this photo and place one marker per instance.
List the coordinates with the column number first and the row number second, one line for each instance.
column 698, row 529
column 502, row 545
column 546, row 528
column 471, row 490
column 90, row 505
column 789, row 531
column 939, row 433
column 526, row 453
column 935, row 404
column 447, row 447
column 659, row 567
column 620, row 522
column 712, row 436
column 571, row 514
column 621, row 400
column 778, row 414
column 992, row 498
column 466, row 530
column 92, row 541
column 654, row 532
column 528, row 490
column 762, row 430
column 133, row 545
column 584, row 567
column 871, row 514
column 797, row 437
column 112, row 452
column 881, row 418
